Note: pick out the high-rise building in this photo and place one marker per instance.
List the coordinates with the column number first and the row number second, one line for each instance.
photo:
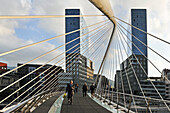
column 76, row 63
column 131, row 67
column 72, row 23
column 139, row 19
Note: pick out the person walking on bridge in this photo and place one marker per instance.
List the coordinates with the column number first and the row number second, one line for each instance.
column 85, row 88
column 92, row 89
column 76, row 88
column 70, row 92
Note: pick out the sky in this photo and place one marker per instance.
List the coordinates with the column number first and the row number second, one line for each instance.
column 19, row 32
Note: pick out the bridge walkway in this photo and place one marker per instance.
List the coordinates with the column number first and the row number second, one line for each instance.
column 45, row 107
column 82, row 105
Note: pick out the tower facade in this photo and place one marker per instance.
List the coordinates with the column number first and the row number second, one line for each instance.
column 72, row 23
column 139, row 19
column 76, row 63
column 130, row 68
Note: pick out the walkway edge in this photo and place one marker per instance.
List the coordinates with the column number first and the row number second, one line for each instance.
column 56, row 107
column 109, row 108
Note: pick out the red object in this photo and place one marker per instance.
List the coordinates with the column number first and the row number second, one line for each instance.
column 3, row 67
column 3, row 64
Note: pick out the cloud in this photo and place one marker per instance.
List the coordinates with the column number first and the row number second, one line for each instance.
column 9, row 39
column 53, row 7
column 157, row 24
column 157, row 16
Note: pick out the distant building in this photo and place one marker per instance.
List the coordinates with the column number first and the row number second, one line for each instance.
column 90, row 72
column 63, row 80
column 118, row 81
column 6, row 81
column 150, row 91
column 166, row 73
column 31, row 67
column 131, row 68
column 102, row 80
column 80, row 70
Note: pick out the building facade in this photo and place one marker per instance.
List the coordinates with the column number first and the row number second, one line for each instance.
column 80, row 70
column 131, row 68
column 31, row 67
column 63, row 80
column 72, row 23
column 139, row 19
column 77, row 64
column 150, row 91
column 6, row 81
column 166, row 73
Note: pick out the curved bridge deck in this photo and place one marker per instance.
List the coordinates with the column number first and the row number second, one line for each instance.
column 45, row 107
column 82, row 105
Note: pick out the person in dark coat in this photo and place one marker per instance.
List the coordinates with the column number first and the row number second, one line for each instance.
column 76, row 88
column 85, row 88
column 70, row 92
column 92, row 89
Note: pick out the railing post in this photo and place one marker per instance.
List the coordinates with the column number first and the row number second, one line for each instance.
column 105, row 95
column 118, row 101
column 33, row 103
column 148, row 106
column 26, row 106
column 111, row 98
column 129, row 103
column 101, row 94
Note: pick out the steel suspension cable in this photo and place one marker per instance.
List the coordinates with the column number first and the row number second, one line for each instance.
column 86, row 44
column 147, row 74
column 32, row 79
column 145, row 44
column 145, row 55
column 134, row 71
column 141, row 30
column 46, row 62
column 93, row 44
column 46, row 53
column 127, row 75
column 122, row 83
column 44, row 16
column 29, row 45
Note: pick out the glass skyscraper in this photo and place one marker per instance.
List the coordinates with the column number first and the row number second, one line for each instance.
column 138, row 19
column 76, row 63
column 131, row 67
column 72, row 23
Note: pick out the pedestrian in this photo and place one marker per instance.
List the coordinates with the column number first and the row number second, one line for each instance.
column 85, row 88
column 92, row 89
column 70, row 92
column 76, row 88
